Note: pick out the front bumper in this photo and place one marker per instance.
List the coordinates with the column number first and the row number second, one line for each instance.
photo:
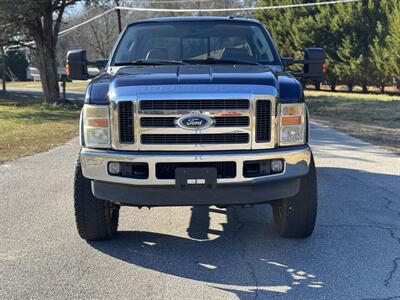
column 159, row 192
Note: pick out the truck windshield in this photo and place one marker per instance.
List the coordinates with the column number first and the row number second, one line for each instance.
column 207, row 42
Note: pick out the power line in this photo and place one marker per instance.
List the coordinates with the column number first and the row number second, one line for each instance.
column 173, row 1
column 61, row 33
column 184, row 10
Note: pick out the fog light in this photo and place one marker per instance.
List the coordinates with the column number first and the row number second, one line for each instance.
column 114, row 168
column 277, row 165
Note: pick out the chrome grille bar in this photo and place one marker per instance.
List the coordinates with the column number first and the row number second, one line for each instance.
column 169, row 122
column 195, row 104
column 189, row 139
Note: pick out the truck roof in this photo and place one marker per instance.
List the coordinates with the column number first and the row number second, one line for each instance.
column 195, row 19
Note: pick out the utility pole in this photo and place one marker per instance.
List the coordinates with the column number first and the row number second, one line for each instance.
column 3, row 68
column 119, row 17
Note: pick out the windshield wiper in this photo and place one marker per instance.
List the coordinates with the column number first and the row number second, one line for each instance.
column 211, row 60
column 153, row 62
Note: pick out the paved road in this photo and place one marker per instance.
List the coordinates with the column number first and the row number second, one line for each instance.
column 38, row 92
column 201, row 253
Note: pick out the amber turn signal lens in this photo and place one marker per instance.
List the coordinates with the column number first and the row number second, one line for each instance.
column 287, row 121
column 97, row 122
column 68, row 70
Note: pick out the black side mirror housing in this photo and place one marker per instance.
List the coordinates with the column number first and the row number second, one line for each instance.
column 314, row 64
column 77, row 65
column 287, row 61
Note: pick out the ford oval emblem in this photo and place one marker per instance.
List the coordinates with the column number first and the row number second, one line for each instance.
column 194, row 122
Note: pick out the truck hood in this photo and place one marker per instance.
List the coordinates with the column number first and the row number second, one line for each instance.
column 194, row 74
column 127, row 81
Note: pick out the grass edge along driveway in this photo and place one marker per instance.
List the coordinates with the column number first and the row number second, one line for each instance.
column 28, row 127
column 372, row 118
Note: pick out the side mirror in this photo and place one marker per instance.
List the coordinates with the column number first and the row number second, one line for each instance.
column 287, row 61
column 77, row 63
column 314, row 64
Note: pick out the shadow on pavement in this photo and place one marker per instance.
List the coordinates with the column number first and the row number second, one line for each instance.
column 247, row 257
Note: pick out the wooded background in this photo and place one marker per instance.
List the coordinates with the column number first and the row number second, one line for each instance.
column 362, row 39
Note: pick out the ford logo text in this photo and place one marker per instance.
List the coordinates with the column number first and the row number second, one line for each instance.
column 194, row 122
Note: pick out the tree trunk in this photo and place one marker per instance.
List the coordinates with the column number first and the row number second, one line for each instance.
column 3, row 69
column 350, row 85
column 332, row 82
column 382, row 88
column 45, row 37
column 364, row 87
column 48, row 74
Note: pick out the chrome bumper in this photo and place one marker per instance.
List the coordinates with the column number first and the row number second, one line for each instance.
column 94, row 163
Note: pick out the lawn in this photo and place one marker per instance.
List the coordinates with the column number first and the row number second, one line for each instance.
column 28, row 127
column 372, row 118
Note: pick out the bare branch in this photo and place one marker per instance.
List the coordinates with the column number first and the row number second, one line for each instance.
column 58, row 20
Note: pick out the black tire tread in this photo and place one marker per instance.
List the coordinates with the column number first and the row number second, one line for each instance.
column 91, row 214
column 298, row 214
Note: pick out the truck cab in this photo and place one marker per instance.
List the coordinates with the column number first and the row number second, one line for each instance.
column 195, row 111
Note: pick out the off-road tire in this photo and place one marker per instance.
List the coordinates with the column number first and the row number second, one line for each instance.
column 95, row 219
column 295, row 217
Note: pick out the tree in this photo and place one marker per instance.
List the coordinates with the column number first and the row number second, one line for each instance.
column 361, row 39
column 39, row 20
column 380, row 53
column 3, row 43
column 393, row 42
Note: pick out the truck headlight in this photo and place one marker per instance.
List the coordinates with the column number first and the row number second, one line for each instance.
column 96, row 127
column 292, row 124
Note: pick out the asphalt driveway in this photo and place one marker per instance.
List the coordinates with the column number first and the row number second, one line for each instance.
column 206, row 253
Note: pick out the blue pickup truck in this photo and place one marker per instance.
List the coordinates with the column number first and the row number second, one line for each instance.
column 195, row 111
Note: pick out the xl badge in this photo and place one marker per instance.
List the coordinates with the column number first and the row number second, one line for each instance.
column 195, row 122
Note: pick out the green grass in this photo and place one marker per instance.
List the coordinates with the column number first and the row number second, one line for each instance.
column 351, row 96
column 28, row 127
column 372, row 118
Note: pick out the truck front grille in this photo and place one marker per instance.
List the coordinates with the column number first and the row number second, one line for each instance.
column 219, row 122
column 150, row 125
column 209, row 104
column 225, row 169
column 263, row 121
column 187, row 139
column 126, row 127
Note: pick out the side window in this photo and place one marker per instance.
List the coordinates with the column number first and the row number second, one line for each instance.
column 126, row 49
column 263, row 49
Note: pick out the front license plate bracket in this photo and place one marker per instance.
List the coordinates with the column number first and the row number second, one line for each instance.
column 203, row 178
